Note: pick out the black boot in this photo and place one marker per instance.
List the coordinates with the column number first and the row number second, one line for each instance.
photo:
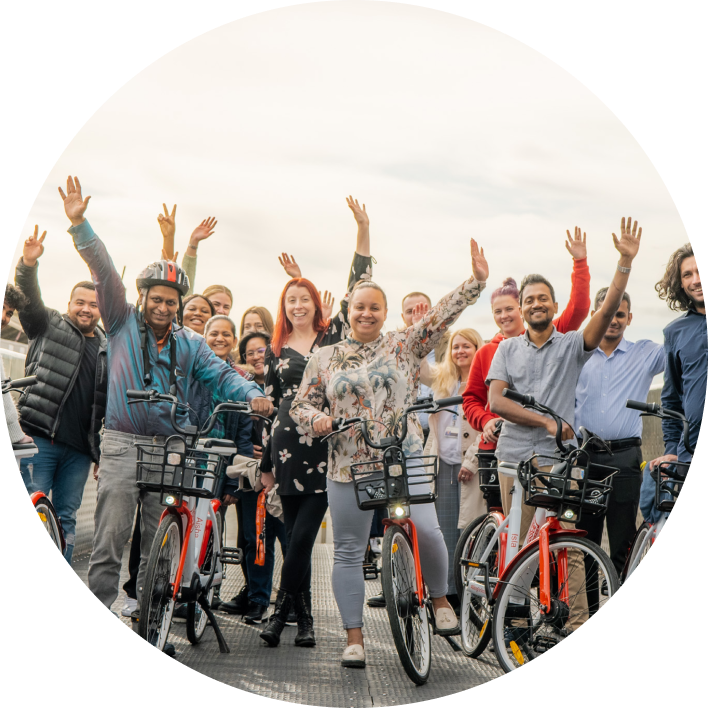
column 276, row 623
column 305, row 626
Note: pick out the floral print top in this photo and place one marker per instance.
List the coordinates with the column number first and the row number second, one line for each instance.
column 375, row 381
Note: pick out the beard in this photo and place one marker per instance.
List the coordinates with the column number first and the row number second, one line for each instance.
column 85, row 328
column 540, row 326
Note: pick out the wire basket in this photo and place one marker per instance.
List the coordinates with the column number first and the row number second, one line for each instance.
column 395, row 479
column 174, row 468
column 578, row 489
column 673, row 475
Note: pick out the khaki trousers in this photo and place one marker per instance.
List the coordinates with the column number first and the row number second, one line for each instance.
column 576, row 565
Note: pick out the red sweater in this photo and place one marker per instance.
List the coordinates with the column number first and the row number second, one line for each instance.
column 475, row 399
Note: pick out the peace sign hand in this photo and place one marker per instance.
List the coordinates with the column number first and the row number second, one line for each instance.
column 167, row 222
column 33, row 248
column 74, row 204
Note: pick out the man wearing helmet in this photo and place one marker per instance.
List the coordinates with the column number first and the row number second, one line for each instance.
column 148, row 349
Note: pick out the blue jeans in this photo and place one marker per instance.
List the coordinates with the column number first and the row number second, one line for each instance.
column 260, row 577
column 63, row 471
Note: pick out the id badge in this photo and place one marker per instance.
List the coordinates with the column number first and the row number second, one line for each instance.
column 452, row 432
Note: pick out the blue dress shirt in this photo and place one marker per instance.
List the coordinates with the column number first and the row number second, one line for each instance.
column 606, row 383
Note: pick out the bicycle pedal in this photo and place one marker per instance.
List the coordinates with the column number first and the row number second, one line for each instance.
column 231, row 556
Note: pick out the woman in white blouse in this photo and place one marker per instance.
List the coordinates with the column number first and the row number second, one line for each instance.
column 375, row 376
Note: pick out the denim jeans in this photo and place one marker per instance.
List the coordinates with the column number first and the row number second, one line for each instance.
column 63, row 471
column 260, row 577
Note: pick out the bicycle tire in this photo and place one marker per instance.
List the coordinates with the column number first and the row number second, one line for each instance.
column 642, row 532
column 475, row 612
column 643, row 574
column 156, row 600
column 462, row 550
column 48, row 516
column 409, row 621
column 521, row 632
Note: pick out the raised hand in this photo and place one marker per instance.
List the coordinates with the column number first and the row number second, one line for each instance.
column 628, row 242
column 203, row 231
column 480, row 267
column 74, row 203
column 166, row 257
column 362, row 218
column 327, row 305
column 33, row 248
column 289, row 265
column 419, row 311
column 575, row 245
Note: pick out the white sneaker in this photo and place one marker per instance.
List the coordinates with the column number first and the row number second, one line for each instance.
column 375, row 544
column 130, row 606
column 354, row 657
column 446, row 622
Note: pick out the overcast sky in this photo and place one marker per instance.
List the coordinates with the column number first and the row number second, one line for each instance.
column 444, row 128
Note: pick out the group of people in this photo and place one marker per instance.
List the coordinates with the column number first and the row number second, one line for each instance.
column 309, row 367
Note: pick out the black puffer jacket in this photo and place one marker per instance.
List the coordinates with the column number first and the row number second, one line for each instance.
column 56, row 347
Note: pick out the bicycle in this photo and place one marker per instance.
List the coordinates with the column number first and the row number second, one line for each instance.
column 670, row 477
column 489, row 486
column 38, row 543
column 187, row 557
column 522, row 597
column 396, row 482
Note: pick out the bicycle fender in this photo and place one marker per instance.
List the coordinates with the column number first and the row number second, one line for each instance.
column 552, row 537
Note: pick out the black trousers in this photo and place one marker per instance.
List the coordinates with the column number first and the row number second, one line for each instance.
column 302, row 514
column 621, row 515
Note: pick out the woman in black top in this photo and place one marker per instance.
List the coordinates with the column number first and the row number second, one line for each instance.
column 293, row 461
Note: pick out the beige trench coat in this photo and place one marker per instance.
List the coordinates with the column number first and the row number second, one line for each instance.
column 472, row 502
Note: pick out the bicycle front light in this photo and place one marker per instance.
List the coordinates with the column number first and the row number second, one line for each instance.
column 400, row 511
column 569, row 515
column 170, row 499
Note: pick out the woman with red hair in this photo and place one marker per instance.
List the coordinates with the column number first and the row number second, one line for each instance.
column 293, row 461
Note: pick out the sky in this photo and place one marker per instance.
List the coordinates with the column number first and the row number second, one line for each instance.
column 445, row 128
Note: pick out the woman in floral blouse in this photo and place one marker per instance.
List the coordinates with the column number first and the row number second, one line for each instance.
column 297, row 460
column 375, row 376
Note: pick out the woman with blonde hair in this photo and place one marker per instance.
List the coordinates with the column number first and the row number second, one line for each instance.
column 256, row 319
column 454, row 442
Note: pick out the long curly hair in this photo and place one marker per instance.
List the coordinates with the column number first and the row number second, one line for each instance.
column 669, row 287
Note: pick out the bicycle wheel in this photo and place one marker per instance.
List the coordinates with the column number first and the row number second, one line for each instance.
column 643, row 572
column 409, row 619
column 50, row 520
column 475, row 612
column 156, row 600
column 463, row 549
column 521, row 630
column 640, row 547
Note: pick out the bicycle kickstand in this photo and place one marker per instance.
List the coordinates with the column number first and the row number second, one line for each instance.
column 204, row 604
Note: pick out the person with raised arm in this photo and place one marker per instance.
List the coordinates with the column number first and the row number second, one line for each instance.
column 375, row 376
column 292, row 459
column 546, row 364
column 64, row 409
column 148, row 349
column 507, row 316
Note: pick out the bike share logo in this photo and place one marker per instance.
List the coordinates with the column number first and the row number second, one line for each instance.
column 198, row 527
column 514, row 540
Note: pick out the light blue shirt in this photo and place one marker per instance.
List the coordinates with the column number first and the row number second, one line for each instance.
column 606, row 383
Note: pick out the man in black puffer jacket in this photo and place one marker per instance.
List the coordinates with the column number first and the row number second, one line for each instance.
column 64, row 410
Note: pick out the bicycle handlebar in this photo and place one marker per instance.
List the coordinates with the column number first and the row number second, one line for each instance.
column 530, row 402
column 153, row 396
column 10, row 385
column 657, row 411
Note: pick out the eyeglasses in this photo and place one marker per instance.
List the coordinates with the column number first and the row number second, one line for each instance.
column 257, row 352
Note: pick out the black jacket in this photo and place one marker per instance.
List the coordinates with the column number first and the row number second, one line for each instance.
column 55, row 351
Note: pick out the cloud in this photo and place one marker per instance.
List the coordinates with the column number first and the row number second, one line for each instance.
column 445, row 128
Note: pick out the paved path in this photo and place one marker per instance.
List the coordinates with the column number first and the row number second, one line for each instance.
column 314, row 676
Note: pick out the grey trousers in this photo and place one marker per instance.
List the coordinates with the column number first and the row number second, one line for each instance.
column 115, row 512
column 350, row 529
column 447, row 507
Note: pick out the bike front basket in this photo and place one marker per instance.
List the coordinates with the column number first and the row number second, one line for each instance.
column 395, row 479
column 579, row 489
column 174, row 468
